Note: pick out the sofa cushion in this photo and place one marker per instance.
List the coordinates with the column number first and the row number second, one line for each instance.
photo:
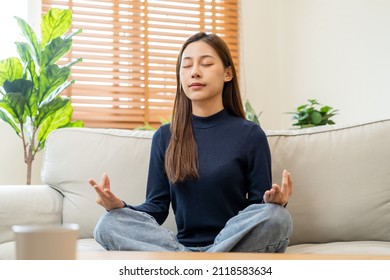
column 341, row 178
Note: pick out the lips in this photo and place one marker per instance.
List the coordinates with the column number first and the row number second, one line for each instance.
column 196, row 85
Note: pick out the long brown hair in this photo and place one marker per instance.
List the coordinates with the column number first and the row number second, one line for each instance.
column 181, row 157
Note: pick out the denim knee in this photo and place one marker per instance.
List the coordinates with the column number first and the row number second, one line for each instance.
column 280, row 219
column 101, row 229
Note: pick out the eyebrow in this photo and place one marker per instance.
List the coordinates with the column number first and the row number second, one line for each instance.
column 202, row 57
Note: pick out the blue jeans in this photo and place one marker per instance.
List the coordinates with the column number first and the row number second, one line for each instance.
column 258, row 228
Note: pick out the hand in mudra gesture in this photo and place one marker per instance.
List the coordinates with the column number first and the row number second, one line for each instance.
column 277, row 194
column 105, row 197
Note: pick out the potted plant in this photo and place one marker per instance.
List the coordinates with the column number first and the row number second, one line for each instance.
column 31, row 84
column 313, row 114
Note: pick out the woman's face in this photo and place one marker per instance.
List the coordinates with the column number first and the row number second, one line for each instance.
column 202, row 75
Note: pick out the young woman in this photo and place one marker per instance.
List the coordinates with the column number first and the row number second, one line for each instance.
column 212, row 164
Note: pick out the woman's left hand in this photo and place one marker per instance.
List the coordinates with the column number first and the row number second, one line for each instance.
column 277, row 194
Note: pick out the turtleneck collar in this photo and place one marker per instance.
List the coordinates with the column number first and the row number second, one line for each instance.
column 210, row 121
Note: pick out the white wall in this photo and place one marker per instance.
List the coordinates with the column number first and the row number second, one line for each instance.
column 335, row 51
column 260, row 49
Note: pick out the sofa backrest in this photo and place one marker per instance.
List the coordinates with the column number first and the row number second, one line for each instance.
column 73, row 155
column 341, row 176
column 341, row 179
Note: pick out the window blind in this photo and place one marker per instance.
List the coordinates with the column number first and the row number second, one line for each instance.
column 129, row 49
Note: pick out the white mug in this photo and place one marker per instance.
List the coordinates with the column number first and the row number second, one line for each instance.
column 46, row 242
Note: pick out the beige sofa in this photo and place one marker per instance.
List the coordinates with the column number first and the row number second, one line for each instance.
column 341, row 175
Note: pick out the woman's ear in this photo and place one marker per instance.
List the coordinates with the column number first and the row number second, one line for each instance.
column 228, row 74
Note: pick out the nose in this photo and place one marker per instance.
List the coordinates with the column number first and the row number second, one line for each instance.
column 195, row 73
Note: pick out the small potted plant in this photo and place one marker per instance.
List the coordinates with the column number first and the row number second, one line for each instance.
column 313, row 114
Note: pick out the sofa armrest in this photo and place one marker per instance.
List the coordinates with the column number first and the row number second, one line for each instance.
column 23, row 204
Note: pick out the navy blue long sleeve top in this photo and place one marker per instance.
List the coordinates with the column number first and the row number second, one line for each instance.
column 234, row 171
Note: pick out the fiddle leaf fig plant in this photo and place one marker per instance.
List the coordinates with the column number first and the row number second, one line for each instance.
column 313, row 114
column 31, row 84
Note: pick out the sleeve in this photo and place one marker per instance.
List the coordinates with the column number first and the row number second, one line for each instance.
column 157, row 191
column 258, row 157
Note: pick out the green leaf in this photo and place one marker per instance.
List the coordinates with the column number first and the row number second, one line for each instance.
column 316, row 117
column 72, row 34
column 313, row 102
column 10, row 69
column 49, row 109
column 14, row 104
column 29, row 34
column 51, row 78
column 325, row 109
column 57, row 91
column 55, row 24
column 70, row 64
column 25, row 54
column 19, row 85
column 10, row 121
column 146, row 126
column 54, row 50
column 164, row 120
column 303, row 116
column 25, row 87
column 56, row 120
column 74, row 124
column 250, row 113
column 300, row 108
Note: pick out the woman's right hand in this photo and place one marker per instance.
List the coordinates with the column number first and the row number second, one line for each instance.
column 105, row 197
column 277, row 194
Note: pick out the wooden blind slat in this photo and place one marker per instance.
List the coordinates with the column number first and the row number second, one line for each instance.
column 129, row 50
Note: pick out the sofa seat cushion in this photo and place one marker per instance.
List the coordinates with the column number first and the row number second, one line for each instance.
column 353, row 247
column 88, row 244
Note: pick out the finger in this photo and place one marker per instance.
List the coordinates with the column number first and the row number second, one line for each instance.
column 276, row 188
column 290, row 183
column 285, row 178
column 286, row 186
column 92, row 182
column 105, row 181
column 100, row 192
column 286, row 182
column 271, row 195
column 108, row 183
column 266, row 196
